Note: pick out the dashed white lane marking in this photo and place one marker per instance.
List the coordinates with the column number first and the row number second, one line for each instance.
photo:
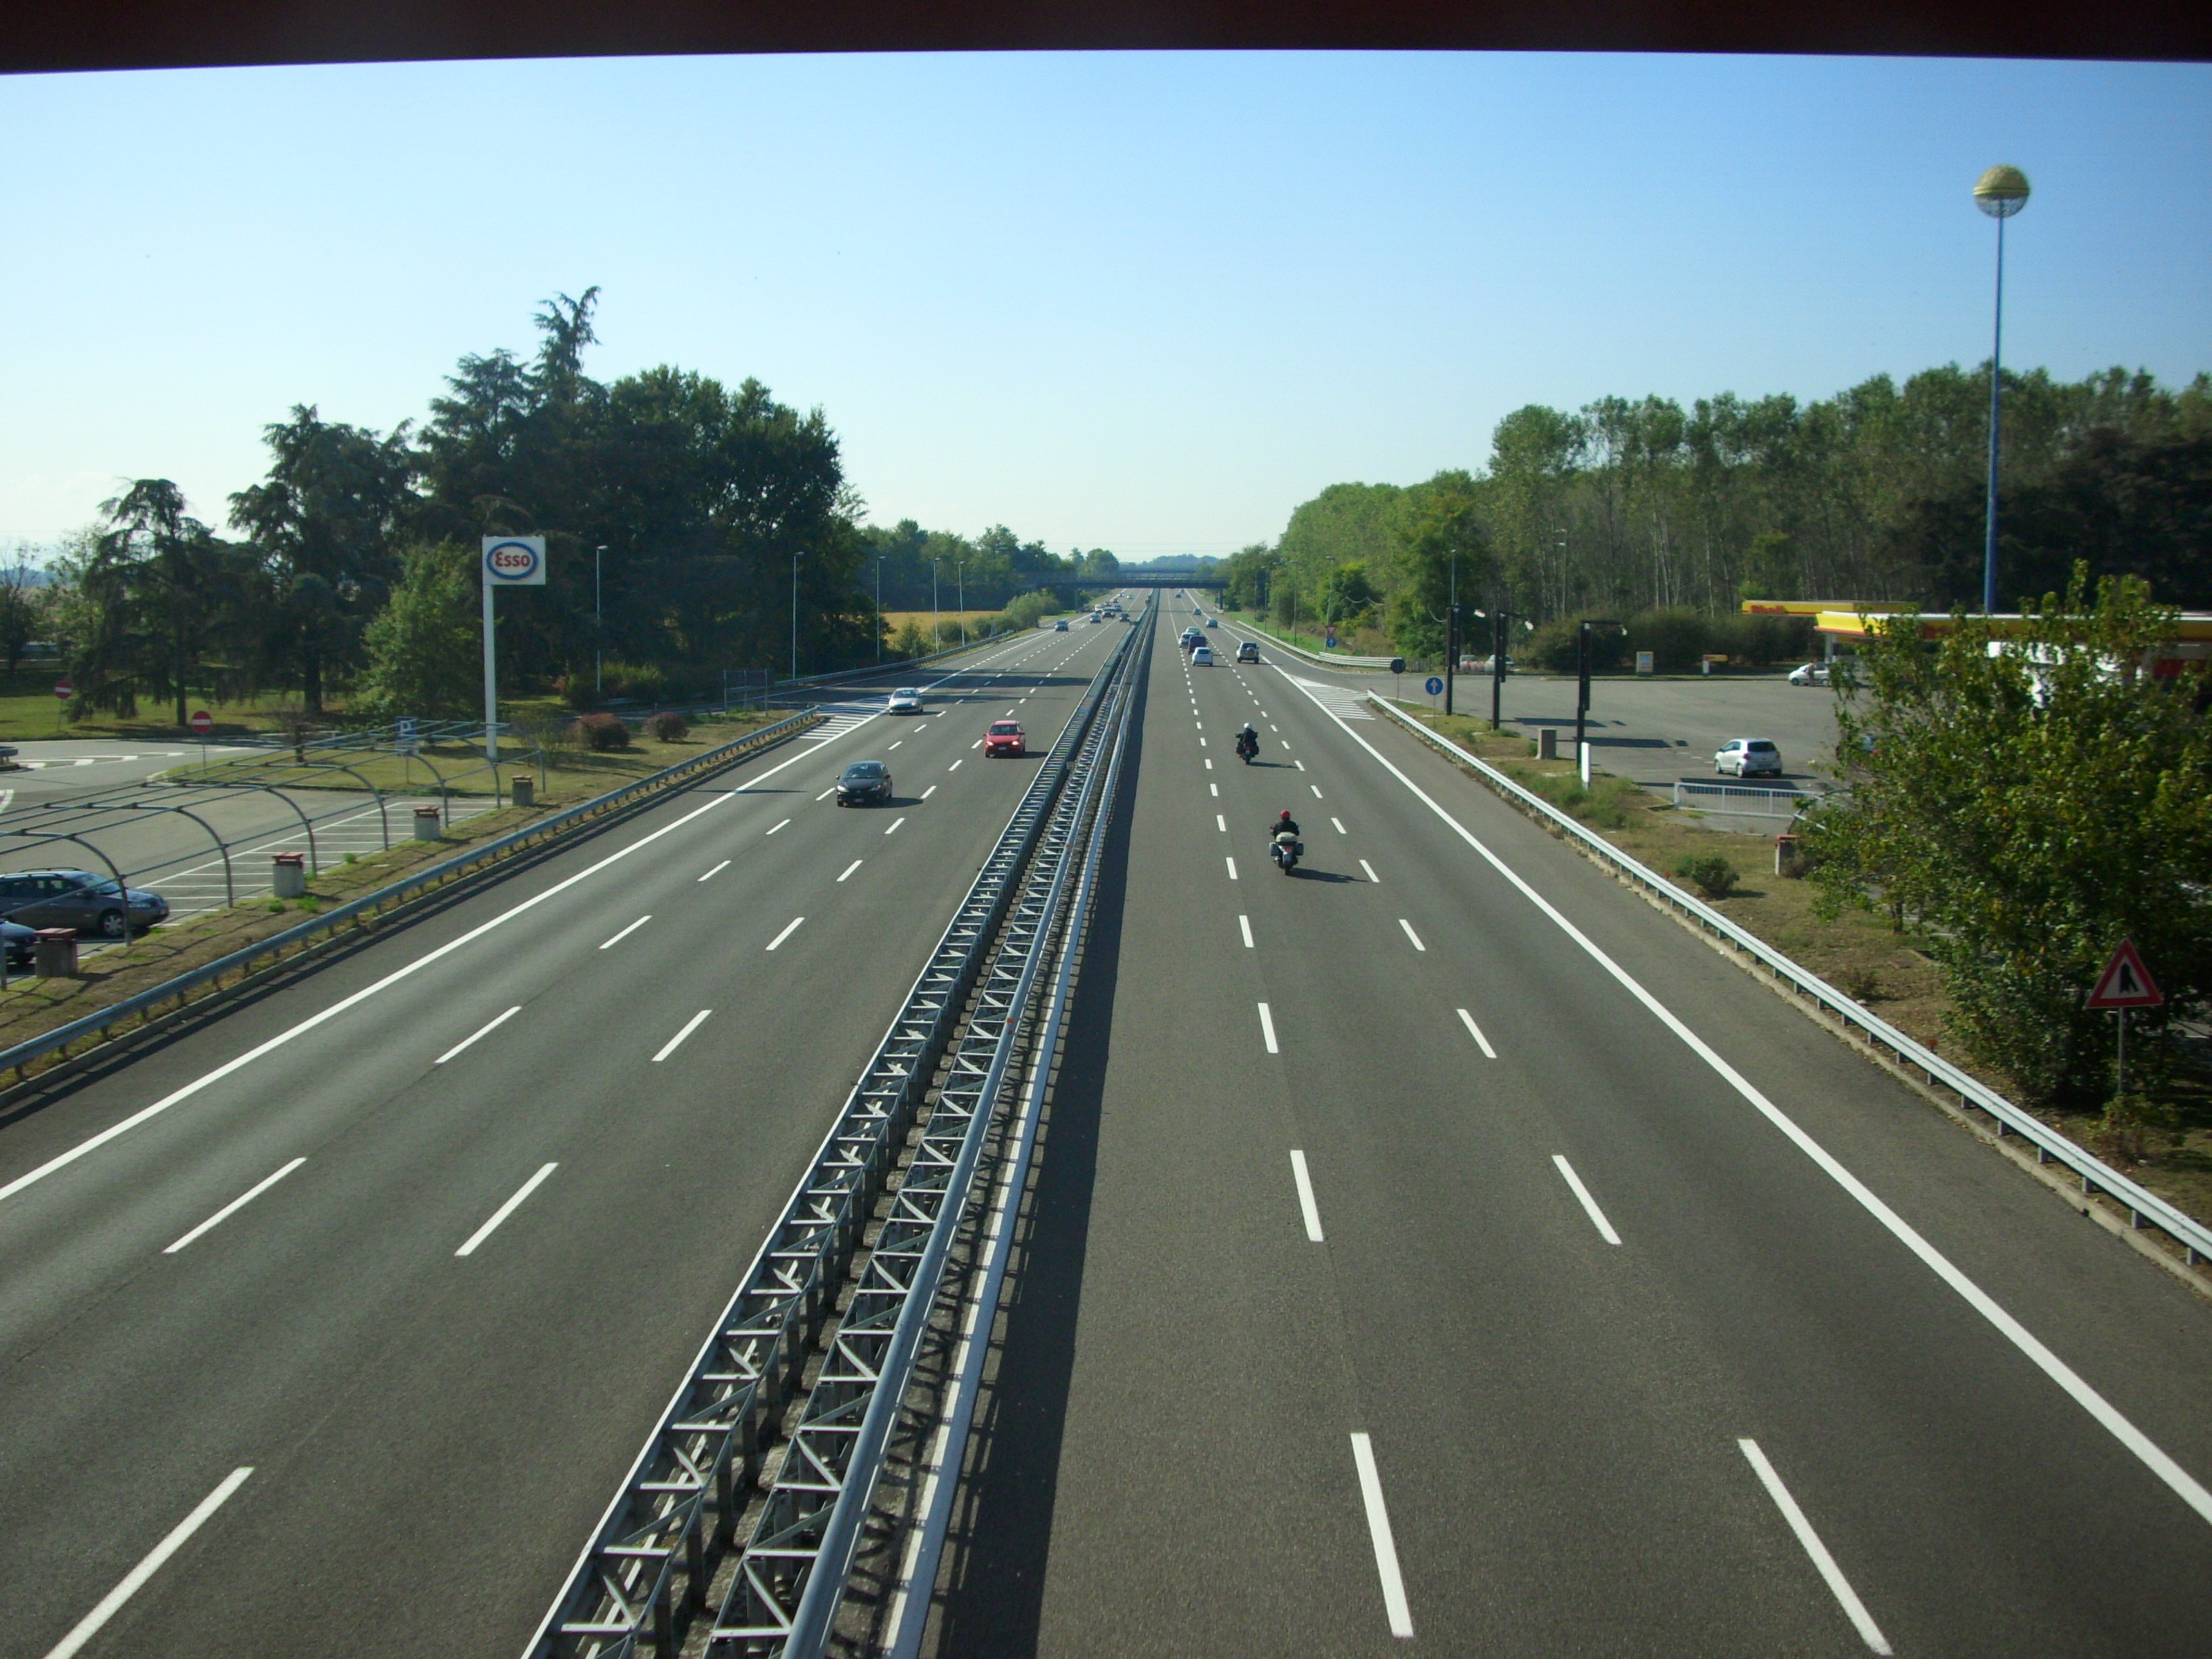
column 677, row 1042
column 235, row 1206
column 522, row 1194
column 482, row 1031
column 927, row 792
column 1221, row 823
column 826, row 793
column 1838, row 1586
column 1590, row 1204
column 1209, row 766
column 1378, row 1532
column 892, row 831
column 779, row 826
column 1317, row 789
column 88, row 1627
column 956, row 765
column 1412, row 935
column 849, row 868
column 1301, row 765
column 1216, row 788
column 1201, row 742
column 1231, row 863
column 1245, row 927
column 787, row 933
column 628, row 931
column 1338, row 822
column 1475, row 1031
column 1370, row 869
column 1307, row 1208
column 716, row 871
column 1267, row 1028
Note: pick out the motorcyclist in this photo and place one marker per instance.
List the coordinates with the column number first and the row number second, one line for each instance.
column 1247, row 740
column 1284, row 825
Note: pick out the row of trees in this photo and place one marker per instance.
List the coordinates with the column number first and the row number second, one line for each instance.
column 1624, row 507
column 674, row 507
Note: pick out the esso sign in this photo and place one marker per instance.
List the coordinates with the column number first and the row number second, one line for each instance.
column 514, row 561
column 203, row 722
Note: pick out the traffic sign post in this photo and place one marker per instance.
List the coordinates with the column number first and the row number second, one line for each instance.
column 203, row 723
column 63, row 692
column 1435, row 686
column 509, row 561
column 2125, row 983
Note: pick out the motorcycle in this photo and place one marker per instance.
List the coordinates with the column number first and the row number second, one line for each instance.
column 1286, row 851
column 1247, row 746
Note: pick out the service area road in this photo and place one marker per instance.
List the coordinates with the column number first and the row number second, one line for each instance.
column 424, row 1239
column 1403, row 1279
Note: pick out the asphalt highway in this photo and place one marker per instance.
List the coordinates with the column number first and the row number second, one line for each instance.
column 1439, row 1249
column 330, row 1327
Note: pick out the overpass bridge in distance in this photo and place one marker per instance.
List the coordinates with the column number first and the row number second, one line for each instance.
column 1141, row 579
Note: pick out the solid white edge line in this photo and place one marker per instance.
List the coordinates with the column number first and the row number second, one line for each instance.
column 506, row 1209
column 1378, row 1534
column 1838, row 1586
column 483, row 1030
column 787, row 933
column 1413, row 936
column 234, row 1205
column 88, row 1627
column 1590, row 1204
column 2184, row 1485
column 639, row 923
column 716, row 871
column 1231, row 863
column 1267, row 1028
column 1245, row 927
column 676, row 1042
column 93, row 1142
column 1475, row 1031
column 1308, row 1208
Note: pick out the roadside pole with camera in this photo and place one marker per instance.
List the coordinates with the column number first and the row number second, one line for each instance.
column 509, row 561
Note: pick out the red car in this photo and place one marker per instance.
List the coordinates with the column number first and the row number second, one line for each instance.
column 1005, row 738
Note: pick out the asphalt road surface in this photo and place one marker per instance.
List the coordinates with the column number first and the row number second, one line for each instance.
column 1440, row 1251
column 492, row 1176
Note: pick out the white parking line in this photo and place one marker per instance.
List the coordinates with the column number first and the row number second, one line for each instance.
column 1268, row 1029
column 1412, row 935
column 1838, row 1586
column 88, row 1627
column 677, row 1042
column 1590, row 1204
column 235, row 1206
column 892, row 831
column 1378, row 1533
column 785, row 933
column 506, row 1209
column 1370, row 869
column 1245, row 927
column 632, row 928
column 1231, row 863
column 849, row 868
column 1307, row 1208
column 1475, row 1031
column 709, row 876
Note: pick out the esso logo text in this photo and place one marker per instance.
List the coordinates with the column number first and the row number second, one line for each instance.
column 514, row 560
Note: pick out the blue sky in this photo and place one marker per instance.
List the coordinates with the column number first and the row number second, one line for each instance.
column 1144, row 302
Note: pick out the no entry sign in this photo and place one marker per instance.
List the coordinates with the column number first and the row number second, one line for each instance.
column 203, row 722
column 65, row 691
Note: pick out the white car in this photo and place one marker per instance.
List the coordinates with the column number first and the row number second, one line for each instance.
column 1748, row 757
column 1812, row 673
column 1202, row 657
column 907, row 700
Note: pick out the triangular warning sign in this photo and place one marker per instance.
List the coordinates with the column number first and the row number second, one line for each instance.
column 2125, row 982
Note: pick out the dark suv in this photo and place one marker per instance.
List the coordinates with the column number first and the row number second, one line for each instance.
column 863, row 782
column 94, row 905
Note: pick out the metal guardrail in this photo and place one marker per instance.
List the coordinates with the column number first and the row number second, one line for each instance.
column 99, row 1022
column 1761, row 803
column 1318, row 658
column 650, row 1564
column 2144, row 1207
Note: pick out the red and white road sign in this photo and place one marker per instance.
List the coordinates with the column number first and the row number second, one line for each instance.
column 65, row 691
column 203, row 722
column 2125, row 982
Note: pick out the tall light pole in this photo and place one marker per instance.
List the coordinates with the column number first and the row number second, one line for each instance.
column 598, row 620
column 936, row 617
column 879, row 611
column 794, row 613
column 2000, row 193
column 960, row 576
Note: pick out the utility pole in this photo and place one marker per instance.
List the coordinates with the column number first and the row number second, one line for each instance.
column 936, row 618
column 960, row 576
column 1451, row 634
column 1583, row 639
column 599, row 624
column 794, row 613
column 879, row 611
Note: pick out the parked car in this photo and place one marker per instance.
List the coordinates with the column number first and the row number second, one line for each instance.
column 1748, row 757
column 1202, row 657
column 904, row 701
column 1812, row 673
column 864, row 782
column 1247, row 651
column 1005, row 738
column 17, row 941
column 92, row 904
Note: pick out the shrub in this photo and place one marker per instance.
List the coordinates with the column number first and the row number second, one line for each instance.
column 667, row 726
column 1712, row 874
column 601, row 732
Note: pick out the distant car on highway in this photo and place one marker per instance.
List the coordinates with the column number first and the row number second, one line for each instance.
column 1247, row 651
column 1061, row 626
column 1213, row 622
column 1202, row 657
column 864, row 782
column 92, row 904
column 1812, row 673
column 1005, row 738
column 907, row 700
column 1748, row 757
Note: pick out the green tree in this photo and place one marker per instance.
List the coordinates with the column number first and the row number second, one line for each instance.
column 25, row 608
column 425, row 648
column 1443, row 557
column 2030, row 800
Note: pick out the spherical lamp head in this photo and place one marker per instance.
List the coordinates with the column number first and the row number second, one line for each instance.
column 2001, row 193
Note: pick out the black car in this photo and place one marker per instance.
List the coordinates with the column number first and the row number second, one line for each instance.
column 863, row 783
column 92, row 904
column 17, row 940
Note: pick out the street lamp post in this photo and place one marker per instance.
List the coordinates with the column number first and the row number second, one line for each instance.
column 598, row 620
column 960, row 578
column 879, row 611
column 1582, row 694
column 936, row 617
column 2000, row 193
column 1451, row 635
column 794, row 613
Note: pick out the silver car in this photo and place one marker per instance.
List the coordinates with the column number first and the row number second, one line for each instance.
column 1748, row 757
column 904, row 701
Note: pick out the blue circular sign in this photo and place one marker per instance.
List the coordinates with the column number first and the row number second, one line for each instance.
column 1436, row 685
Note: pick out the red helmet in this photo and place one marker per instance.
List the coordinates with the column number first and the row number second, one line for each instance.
column 1287, row 812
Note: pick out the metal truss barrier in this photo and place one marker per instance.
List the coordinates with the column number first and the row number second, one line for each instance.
column 2144, row 1207
column 646, row 1574
column 1743, row 800
column 145, row 1005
